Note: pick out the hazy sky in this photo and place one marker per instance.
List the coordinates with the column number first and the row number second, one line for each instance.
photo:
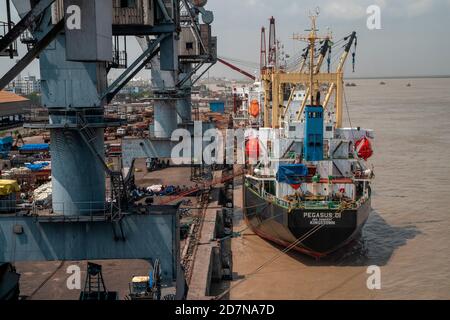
column 414, row 39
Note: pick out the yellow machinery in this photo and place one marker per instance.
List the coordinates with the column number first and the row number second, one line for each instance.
column 274, row 81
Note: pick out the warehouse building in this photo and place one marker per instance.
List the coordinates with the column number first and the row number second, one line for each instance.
column 12, row 109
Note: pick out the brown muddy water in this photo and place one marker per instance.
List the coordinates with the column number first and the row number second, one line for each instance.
column 408, row 232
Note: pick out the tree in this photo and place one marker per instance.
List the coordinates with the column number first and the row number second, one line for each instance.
column 35, row 98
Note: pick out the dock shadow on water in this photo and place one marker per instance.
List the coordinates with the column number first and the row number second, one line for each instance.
column 375, row 246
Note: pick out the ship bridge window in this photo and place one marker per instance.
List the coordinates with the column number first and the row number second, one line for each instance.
column 189, row 45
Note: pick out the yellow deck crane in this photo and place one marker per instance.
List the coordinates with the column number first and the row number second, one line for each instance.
column 274, row 80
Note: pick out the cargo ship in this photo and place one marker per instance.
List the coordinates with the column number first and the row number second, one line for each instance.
column 310, row 190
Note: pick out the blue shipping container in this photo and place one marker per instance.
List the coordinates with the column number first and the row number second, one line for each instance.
column 313, row 144
column 218, row 107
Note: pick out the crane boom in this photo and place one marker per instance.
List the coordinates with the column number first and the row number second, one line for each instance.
column 323, row 52
column 340, row 67
column 245, row 73
column 263, row 53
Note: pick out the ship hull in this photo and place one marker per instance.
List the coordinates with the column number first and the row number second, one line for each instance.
column 322, row 231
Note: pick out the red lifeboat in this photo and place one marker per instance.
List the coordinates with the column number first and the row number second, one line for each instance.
column 364, row 148
column 252, row 148
column 254, row 108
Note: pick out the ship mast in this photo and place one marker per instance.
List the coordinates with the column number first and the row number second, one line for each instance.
column 312, row 48
column 311, row 39
column 274, row 79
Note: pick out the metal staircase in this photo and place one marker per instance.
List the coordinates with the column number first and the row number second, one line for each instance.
column 117, row 185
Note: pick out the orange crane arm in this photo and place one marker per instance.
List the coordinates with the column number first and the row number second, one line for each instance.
column 245, row 73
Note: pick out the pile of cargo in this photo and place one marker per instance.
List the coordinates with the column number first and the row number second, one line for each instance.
column 221, row 120
column 42, row 196
column 15, row 172
column 39, row 166
column 30, row 175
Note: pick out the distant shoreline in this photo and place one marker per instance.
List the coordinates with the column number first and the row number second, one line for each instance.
column 243, row 80
column 399, row 77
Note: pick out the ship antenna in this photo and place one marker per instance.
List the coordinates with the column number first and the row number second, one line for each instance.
column 312, row 44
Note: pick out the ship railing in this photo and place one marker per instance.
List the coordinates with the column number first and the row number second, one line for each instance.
column 9, row 206
column 272, row 198
column 332, row 205
column 251, row 186
column 321, row 204
column 307, row 204
column 77, row 211
column 361, row 201
column 69, row 117
column 283, row 203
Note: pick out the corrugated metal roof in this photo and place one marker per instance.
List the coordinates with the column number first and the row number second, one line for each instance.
column 6, row 97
